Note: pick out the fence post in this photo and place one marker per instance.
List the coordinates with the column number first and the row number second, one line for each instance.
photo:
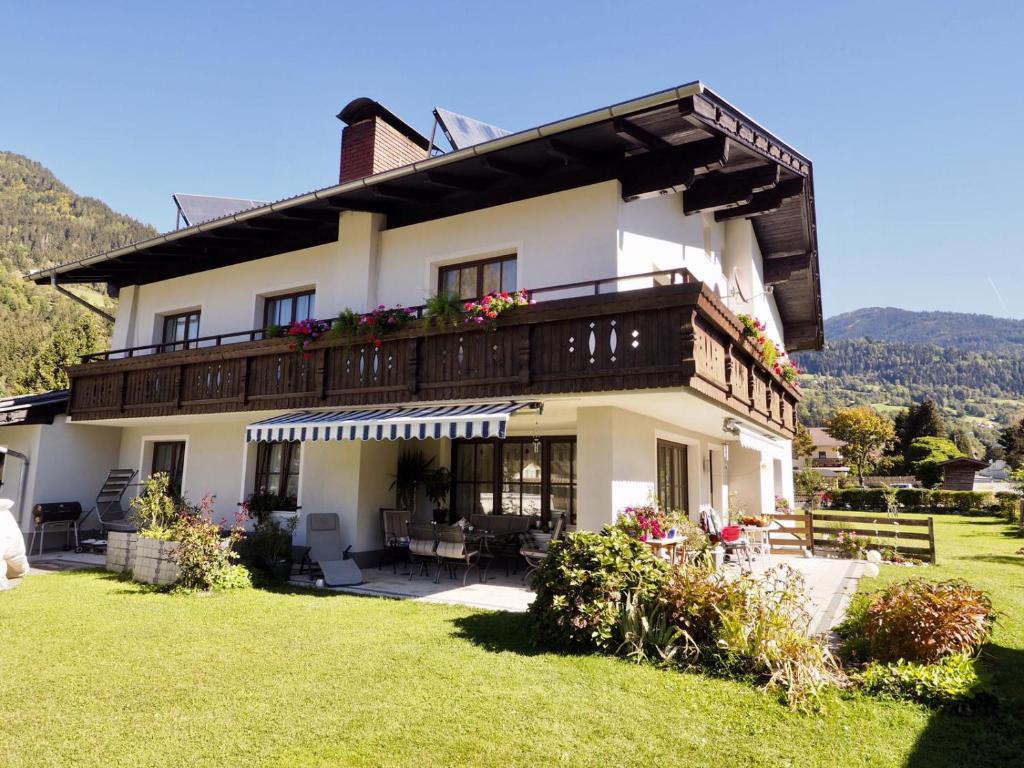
column 809, row 523
column 931, row 539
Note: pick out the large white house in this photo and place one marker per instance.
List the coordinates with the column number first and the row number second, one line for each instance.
column 641, row 231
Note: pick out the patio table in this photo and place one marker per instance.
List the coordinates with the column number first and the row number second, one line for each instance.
column 669, row 546
column 758, row 536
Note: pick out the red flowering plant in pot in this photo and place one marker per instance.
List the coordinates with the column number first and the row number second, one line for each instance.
column 302, row 333
column 493, row 305
column 384, row 320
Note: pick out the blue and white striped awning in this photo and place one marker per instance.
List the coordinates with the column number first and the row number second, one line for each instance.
column 436, row 421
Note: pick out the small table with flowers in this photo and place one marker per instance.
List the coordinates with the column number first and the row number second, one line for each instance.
column 667, row 546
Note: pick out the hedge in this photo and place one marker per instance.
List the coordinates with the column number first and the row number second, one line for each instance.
column 927, row 500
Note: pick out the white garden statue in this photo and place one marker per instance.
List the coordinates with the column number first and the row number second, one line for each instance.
column 13, row 561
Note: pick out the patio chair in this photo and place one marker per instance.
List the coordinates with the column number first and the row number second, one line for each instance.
column 534, row 552
column 503, row 536
column 108, row 503
column 453, row 550
column 323, row 537
column 738, row 548
column 395, row 529
column 422, row 548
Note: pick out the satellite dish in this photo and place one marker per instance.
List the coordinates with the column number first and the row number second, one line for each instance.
column 462, row 131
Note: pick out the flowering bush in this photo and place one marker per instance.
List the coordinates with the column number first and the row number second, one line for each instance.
column 205, row 559
column 772, row 355
column 491, row 306
column 789, row 371
column 304, row 332
column 781, row 505
column 649, row 522
column 852, row 545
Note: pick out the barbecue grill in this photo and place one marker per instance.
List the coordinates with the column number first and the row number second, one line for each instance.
column 60, row 514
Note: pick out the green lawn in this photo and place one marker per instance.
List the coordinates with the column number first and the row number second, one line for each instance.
column 97, row 672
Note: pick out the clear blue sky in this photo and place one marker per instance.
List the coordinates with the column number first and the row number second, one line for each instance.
column 913, row 113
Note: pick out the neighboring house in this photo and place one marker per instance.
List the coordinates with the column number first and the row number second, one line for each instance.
column 641, row 230
column 826, row 456
column 958, row 474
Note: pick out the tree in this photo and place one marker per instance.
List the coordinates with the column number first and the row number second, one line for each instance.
column 925, row 455
column 866, row 433
column 921, row 420
column 803, row 445
column 47, row 369
column 1011, row 440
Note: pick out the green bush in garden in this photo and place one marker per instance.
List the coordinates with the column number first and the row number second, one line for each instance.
column 582, row 582
column 950, row 680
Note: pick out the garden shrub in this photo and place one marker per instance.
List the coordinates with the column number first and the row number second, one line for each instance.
column 917, row 620
column 925, row 454
column 916, row 500
column 206, row 560
column 582, row 582
column 950, row 680
column 751, row 625
column 1007, row 504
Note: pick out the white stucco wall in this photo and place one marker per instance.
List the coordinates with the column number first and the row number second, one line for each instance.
column 744, row 269
column 67, row 462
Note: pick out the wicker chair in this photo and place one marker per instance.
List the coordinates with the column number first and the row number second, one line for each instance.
column 395, row 530
column 534, row 554
column 453, row 550
column 422, row 549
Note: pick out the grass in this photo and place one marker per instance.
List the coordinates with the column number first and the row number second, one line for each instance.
column 95, row 671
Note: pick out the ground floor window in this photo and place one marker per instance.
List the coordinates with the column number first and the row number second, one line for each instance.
column 673, row 492
column 169, row 457
column 516, row 476
column 277, row 470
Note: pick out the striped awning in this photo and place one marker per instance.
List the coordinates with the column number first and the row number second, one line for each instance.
column 487, row 420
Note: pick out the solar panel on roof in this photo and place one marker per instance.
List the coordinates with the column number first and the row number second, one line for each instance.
column 195, row 209
column 462, row 131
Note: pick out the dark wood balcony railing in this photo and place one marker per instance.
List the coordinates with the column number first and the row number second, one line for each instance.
column 674, row 335
column 827, row 462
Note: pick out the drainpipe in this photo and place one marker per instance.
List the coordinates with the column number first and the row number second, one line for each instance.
column 21, row 480
column 74, row 297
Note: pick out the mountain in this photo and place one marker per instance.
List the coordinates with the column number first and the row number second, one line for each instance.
column 977, row 333
column 42, row 222
column 971, row 365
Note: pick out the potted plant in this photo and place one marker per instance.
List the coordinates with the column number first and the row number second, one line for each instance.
column 443, row 309
column 438, row 485
column 411, row 471
column 263, row 507
column 156, row 513
column 268, row 548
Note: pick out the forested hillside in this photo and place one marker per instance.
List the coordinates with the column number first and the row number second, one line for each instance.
column 971, row 365
column 42, row 222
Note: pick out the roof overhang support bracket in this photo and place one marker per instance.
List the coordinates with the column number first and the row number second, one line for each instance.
column 76, row 298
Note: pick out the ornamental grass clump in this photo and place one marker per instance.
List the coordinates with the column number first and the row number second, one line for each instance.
column 751, row 625
column 919, row 621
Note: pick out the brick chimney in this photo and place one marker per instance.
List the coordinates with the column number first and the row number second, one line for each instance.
column 375, row 140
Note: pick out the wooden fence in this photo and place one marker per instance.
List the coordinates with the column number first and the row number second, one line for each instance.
column 811, row 531
column 913, row 537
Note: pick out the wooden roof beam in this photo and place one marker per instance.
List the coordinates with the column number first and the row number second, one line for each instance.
column 659, row 173
column 765, row 202
column 406, row 194
column 642, row 136
column 457, row 181
column 781, row 270
column 510, row 168
column 727, row 190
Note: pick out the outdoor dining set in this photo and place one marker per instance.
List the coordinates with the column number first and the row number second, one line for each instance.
column 474, row 543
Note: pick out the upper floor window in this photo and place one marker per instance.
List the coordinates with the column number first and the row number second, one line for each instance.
column 473, row 279
column 288, row 308
column 179, row 330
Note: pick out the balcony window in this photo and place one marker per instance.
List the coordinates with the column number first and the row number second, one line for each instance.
column 277, row 470
column 288, row 308
column 179, row 331
column 516, row 476
column 473, row 279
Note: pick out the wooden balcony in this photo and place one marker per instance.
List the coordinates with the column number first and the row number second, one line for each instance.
column 672, row 336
